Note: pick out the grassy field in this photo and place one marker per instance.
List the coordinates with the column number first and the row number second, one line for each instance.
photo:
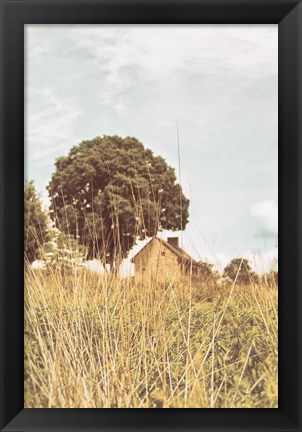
column 96, row 341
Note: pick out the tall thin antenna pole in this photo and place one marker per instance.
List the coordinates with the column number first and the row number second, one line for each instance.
column 179, row 175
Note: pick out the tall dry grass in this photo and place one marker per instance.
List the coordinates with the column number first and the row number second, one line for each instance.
column 92, row 340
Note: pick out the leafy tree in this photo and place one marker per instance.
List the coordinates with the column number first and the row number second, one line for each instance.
column 64, row 250
column 36, row 232
column 206, row 270
column 207, row 274
column 110, row 191
column 241, row 269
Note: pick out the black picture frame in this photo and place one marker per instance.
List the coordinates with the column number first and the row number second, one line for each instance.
column 14, row 15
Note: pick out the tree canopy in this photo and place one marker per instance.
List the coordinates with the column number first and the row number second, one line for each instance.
column 239, row 268
column 36, row 232
column 206, row 270
column 110, row 191
column 64, row 251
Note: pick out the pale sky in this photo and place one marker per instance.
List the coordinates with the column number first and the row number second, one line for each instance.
column 218, row 82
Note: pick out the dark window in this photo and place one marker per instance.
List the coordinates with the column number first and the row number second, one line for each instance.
column 163, row 253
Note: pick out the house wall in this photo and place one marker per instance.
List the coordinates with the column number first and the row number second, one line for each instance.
column 157, row 263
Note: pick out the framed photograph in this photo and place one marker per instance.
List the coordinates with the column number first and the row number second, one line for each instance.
column 151, row 215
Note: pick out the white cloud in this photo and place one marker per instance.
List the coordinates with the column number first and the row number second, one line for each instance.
column 158, row 50
column 50, row 122
column 263, row 261
column 35, row 43
column 266, row 212
column 161, row 53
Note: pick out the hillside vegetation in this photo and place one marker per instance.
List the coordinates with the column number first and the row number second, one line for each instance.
column 95, row 341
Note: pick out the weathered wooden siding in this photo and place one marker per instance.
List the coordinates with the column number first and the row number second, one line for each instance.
column 157, row 263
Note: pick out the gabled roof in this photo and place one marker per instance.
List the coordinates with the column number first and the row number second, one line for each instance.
column 176, row 250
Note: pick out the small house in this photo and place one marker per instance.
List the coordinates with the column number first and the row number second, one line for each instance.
column 162, row 260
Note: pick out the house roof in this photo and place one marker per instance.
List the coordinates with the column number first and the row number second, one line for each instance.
column 176, row 250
